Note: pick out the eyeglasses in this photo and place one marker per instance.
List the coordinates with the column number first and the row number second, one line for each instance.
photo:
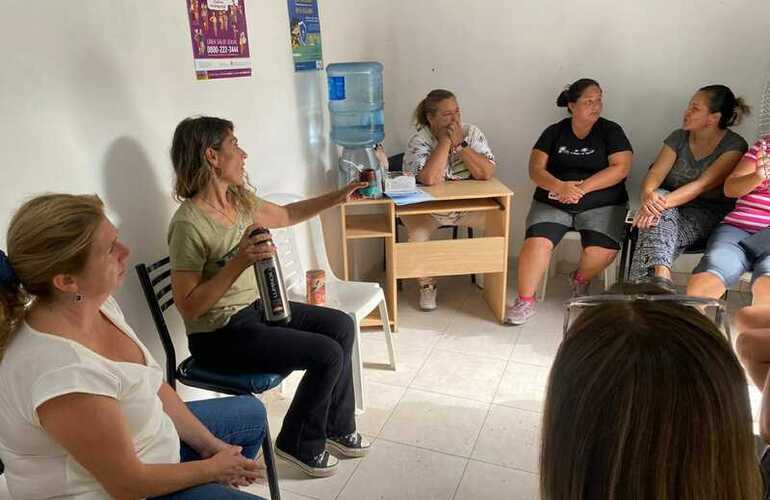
column 715, row 310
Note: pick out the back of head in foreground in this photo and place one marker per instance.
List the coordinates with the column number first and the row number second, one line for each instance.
column 646, row 400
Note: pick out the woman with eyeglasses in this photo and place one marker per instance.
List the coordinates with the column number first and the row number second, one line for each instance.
column 579, row 166
column 646, row 400
column 682, row 201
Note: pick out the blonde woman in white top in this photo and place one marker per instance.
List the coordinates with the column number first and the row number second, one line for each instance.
column 443, row 149
column 84, row 411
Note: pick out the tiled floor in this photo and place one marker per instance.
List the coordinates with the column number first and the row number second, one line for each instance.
column 460, row 418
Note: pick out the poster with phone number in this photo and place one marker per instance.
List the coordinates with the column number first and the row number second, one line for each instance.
column 220, row 40
column 305, row 33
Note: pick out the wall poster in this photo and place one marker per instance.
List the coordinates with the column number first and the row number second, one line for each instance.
column 220, row 40
column 305, row 31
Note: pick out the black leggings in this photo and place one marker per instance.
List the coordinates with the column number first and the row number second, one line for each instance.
column 555, row 232
column 318, row 340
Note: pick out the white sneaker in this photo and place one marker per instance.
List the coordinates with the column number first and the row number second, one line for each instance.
column 428, row 297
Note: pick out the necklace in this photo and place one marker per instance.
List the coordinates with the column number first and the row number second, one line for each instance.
column 229, row 219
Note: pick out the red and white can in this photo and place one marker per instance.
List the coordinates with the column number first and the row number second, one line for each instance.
column 316, row 287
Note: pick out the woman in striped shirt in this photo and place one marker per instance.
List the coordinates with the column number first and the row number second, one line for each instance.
column 725, row 259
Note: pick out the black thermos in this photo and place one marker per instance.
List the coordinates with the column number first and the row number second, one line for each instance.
column 275, row 300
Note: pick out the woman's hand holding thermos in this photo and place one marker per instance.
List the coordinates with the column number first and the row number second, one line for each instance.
column 258, row 247
column 255, row 246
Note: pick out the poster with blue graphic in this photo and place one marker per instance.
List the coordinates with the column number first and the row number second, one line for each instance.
column 305, row 32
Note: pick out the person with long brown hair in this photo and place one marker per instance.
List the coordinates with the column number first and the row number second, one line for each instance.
column 215, row 291
column 443, row 148
column 646, row 400
column 84, row 411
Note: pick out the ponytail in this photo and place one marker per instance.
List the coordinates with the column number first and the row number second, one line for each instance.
column 13, row 301
column 48, row 235
column 741, row 109
column 563, row 98
column 722, row 100
column 573, row 91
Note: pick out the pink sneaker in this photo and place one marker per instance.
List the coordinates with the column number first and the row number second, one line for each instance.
column 519, row 312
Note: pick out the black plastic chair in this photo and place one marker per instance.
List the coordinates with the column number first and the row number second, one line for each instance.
column 396, row 164
column 156, row 285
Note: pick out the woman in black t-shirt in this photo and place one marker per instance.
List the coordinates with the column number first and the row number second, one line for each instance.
column 579, row 165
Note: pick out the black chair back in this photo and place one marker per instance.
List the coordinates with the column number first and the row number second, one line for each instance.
column 396, row 163
column 628, row 249
column 155, row 280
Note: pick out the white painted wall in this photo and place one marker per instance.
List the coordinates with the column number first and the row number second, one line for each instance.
column 90, row 93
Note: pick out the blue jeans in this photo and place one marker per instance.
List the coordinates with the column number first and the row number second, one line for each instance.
column 235, row 420
column 727, row 260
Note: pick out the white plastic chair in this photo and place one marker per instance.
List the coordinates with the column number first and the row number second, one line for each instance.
column 357, row 299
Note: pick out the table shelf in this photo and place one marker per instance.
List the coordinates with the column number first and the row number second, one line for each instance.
column 367, row 226
column 358, row 202
column 487, row 255
column 447, row 206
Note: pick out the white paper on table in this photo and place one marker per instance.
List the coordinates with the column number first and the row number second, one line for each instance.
column 418, row 196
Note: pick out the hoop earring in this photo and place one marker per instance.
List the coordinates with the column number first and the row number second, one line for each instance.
column 78, row 298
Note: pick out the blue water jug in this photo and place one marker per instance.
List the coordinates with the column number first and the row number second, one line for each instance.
column 355, row 104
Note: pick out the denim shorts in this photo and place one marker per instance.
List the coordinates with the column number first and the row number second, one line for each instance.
column 727, row 260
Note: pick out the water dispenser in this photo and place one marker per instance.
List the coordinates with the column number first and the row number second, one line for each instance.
column 357, row 124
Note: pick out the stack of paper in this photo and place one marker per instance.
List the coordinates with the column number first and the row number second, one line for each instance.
column 418, row 196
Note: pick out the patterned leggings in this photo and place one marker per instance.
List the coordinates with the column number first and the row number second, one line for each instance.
column 679, row 228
